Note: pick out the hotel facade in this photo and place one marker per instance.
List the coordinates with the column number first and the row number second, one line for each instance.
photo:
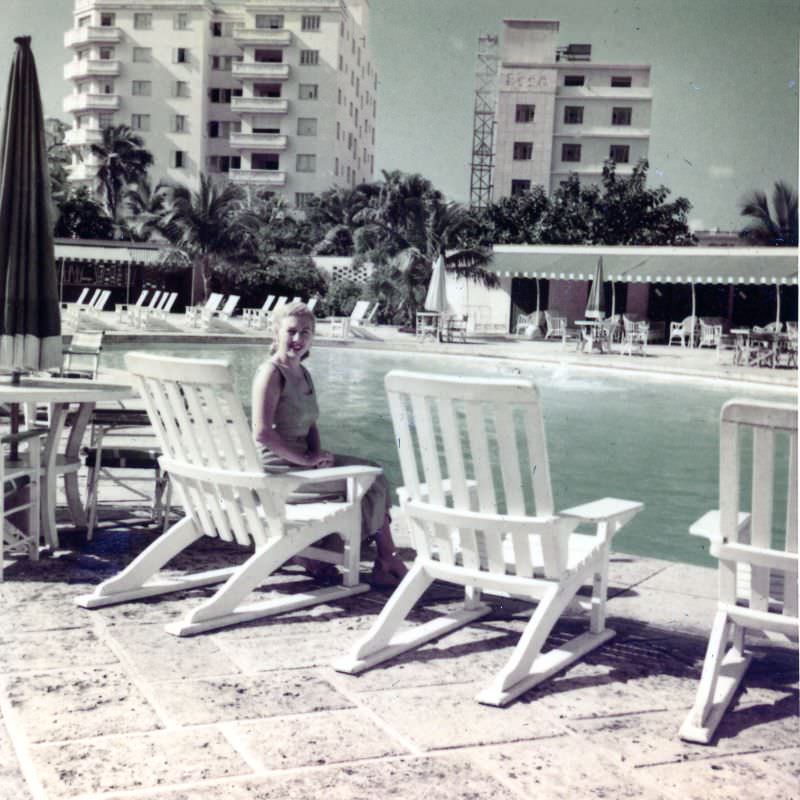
column 558, row 112
column 279, row 95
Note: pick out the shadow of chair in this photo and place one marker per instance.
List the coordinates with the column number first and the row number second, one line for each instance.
column 758, row 589
column 490, row 525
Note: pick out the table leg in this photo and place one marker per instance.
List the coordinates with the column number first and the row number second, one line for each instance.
column 48, row 489
column 72, row 455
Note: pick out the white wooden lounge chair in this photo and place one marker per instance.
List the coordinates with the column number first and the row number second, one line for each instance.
column 24, row 471
column 253, row 317
column 195, row 313
column 683, row 330
column 81, row 357
column 124, row 311
column 71, row 311
column 341, row 326
column 224, row 313
column 215, row 469
column 165, row 308
column 757, row 561
column 489, row 527
column 90, row 313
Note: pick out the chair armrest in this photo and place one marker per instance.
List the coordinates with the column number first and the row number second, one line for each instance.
column 606, row 510
column 708, row 525
column 334, row 473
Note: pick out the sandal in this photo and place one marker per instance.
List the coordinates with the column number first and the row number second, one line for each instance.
column 320, row 571
column 387, row 573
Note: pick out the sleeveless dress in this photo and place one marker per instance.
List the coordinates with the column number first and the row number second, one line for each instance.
column 296, row 412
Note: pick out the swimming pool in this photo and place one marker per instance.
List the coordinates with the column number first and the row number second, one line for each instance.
column 638, row 437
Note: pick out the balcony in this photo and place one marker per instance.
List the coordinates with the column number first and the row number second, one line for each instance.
column 259, row 105
column 268, row 36
column 90, row 102
column 261, row 69
column 604, row 93
column 77, row 137
column 264, row 177
column 91, row 67
column 92, row 34
column 258, row 141
column 82, row 172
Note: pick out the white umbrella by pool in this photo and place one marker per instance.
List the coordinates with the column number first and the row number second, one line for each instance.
column 436, row 298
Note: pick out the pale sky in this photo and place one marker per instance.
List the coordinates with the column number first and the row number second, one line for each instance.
column 724, row 79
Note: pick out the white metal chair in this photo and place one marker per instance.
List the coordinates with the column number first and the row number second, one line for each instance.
column 224, row 313
column 126, row 311
column 194, row 314
column 489, row 524
column 216, row 472
column 15, row 476
column 254, row 317
column 757, row 560
column 710, row 334
column 526, row 322
column 635, row 337
column 683, row 330
column 81, row 357
column 556, row 326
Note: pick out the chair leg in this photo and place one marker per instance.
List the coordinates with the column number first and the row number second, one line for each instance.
column 383, row 642
column 721, row 676
column 224, row 609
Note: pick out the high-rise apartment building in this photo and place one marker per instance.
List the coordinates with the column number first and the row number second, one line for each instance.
column 276, row 94
column 558, row 112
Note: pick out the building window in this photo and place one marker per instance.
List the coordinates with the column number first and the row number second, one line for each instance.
column 620, row 153
column 179, row 123
column 310, row 22
column 523, row 151
column 573, row 115
column 309, row 58
column 180, row 55
column 105, row 120
column 307, row 126
column 181, row 89
column 570, row 152
column 524, row 113
column 338, row 131
column 180, row 22
column 142, row 54
column 341, row 62
column 302, row 199
column 179, row 159
column 519, row 187
column 223, row 63
column 574, row 80
column 108, row 20
column 140, row 122
column 216, row 29
column 621, row 116
column 308, row 91
column 107, row 53
column 339, row 97
column 336, row 166
column 107, row 87
column 265, row 161
column 621, row 81
column 268, row 56
column 269, row 21
column 143, row 22
column 222, row 95
column 142, row 88
column 222, row 129
column 306, row 163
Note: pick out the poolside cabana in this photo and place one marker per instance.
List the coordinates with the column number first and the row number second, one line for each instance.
column 652, row 282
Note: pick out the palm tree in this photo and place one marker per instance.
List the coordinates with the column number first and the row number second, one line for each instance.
column 206, row 226
column 123, row 160
column 144, row 208
column 764, row 229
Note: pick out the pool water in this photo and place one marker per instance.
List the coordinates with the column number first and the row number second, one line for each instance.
column 635, row 437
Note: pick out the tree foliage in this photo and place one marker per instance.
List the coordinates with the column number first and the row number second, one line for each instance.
column 80, row 216
column 765, row 229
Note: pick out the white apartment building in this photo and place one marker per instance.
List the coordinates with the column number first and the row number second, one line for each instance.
column 274, row 94
column 558, row 112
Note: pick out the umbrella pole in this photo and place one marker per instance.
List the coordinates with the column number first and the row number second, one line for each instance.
column 613, row 300
column 694, row 315
column 778, row 305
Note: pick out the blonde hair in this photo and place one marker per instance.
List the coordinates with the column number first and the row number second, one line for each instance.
column 300, row 310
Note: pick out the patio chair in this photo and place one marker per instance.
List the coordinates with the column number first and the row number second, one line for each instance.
column 489, row 525
column 635, row 337
column 527, row 323
column 69, row 311
column 81, row 357
column 757, row 560
column 121, row 447
column 19, row 510
column 126, row 311
column 195, row 313
column 221, row 314
column 556, row 326
column 215, row 469
column 369, row 318
column 710, row 335
column 253, row 316
column 164, row 308
column 683, row 330
column 772, row 327
column 341, row 326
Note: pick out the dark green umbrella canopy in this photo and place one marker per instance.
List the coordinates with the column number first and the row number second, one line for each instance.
column 596, row 304
column 30, row 318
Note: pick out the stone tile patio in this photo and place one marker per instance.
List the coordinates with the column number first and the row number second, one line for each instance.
column 106, row 704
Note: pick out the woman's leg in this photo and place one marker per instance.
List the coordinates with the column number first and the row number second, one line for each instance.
column 389, row 568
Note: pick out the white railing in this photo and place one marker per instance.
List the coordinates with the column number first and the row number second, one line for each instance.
column 77, row 137
column 88, row 101
column 261, row 69
column 262, row 176
column 86, row 68
column 276, row 38
column 260, row 105
column 258, row 141
column 92, row 33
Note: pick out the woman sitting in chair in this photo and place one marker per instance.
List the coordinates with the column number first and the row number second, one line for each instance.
column 285, row 413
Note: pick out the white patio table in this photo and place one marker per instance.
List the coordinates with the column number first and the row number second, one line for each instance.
column 59, row 394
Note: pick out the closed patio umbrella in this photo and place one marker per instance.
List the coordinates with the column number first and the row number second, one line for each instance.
column 30, row 315
column 596, row 303
column 436, row 298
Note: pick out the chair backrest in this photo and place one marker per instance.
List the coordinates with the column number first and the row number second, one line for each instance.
column 167, row 307
column 771, row 552
column 472, row 453
column 162, row 302
column 297, row 299
column 82, row 295
column 213, row 302
column 83, row 353
column 281, row 301
column 268, row 303
column 230, row 305
column 312, row 303
column 94, row 298
column 154, row 298
column 689, row 323
column 791, row 327
column 205, row 437
column 140, row 299
column 360, row 308
column 373, row 311
column 100, row 304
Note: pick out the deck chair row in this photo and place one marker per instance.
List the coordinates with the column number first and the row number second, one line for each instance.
column 260, row 317
column 478, row 501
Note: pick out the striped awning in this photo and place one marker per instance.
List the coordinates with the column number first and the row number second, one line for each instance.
column 127, row 253
column 728, row 265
